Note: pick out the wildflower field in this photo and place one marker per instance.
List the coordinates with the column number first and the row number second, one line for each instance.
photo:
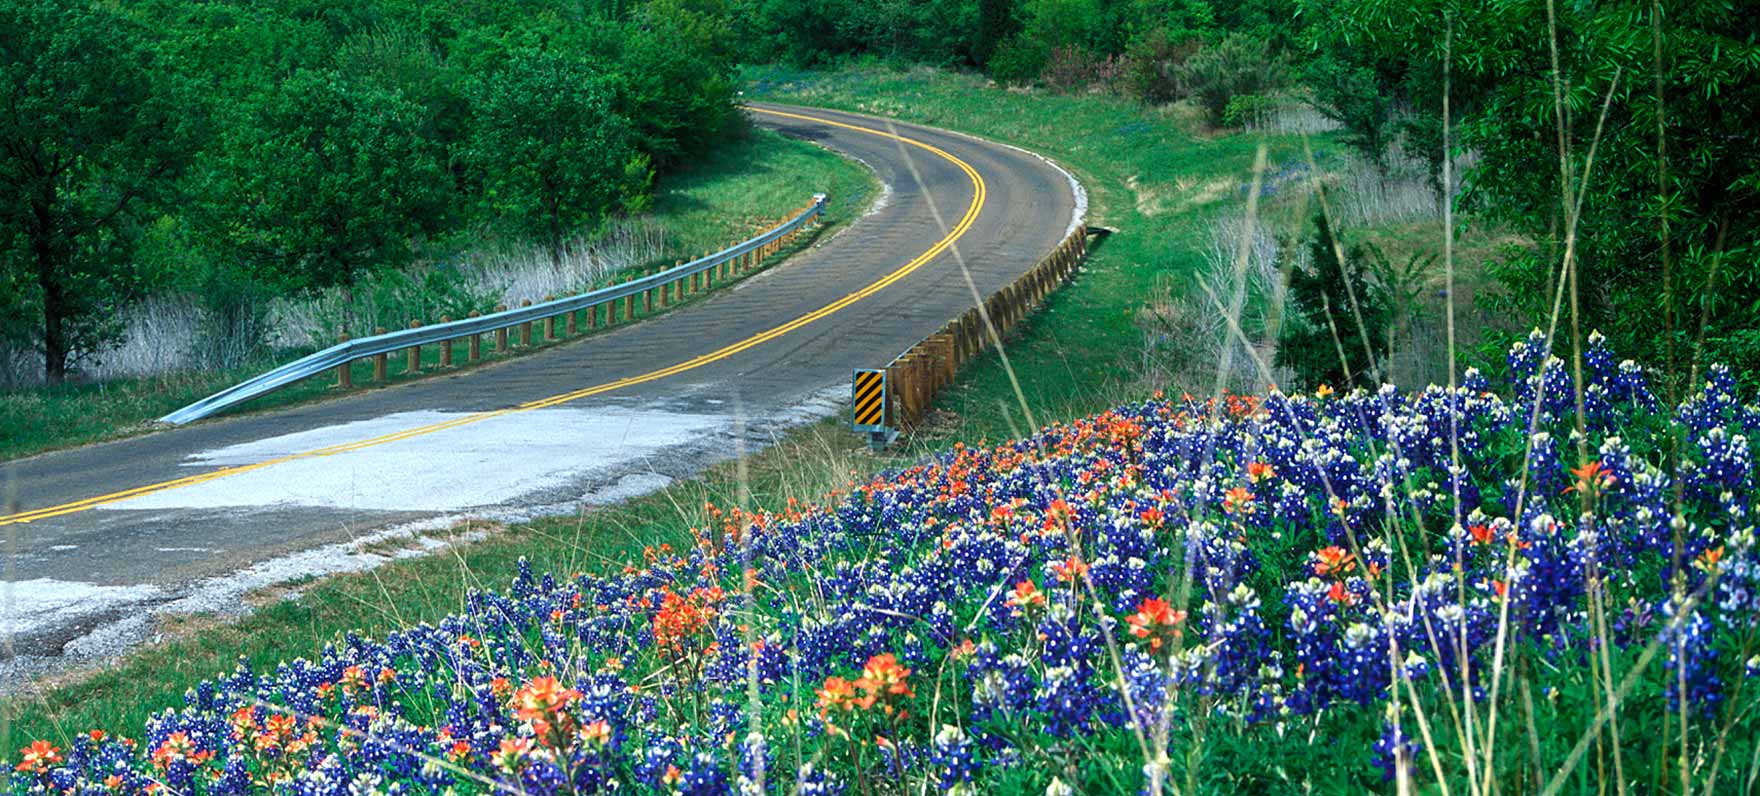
column 1447, row 591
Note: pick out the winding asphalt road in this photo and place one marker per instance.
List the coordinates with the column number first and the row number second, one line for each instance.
column 97, row 533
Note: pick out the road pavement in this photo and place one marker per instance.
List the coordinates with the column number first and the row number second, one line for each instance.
column 190, row 516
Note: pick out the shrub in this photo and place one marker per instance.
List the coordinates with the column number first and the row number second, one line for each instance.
column 1238, row 65
column 1350, row 95
column 1246, row 110
column 1152, row 66
column 1334, row 312
column 1019, row 60
column 1071, row 70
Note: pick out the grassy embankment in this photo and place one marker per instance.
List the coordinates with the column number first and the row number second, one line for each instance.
column 746, row 185
column 1148, row 174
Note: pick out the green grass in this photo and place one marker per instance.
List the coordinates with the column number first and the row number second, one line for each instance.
column 1072, row 358
column 747, row 185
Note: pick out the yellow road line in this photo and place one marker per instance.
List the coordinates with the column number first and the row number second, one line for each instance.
column 978, row 196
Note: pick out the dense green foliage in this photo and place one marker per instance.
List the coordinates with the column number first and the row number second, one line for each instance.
column 552, row 153
column 319, row 180
column 90, row 134
column 1656, row 102
column 243, row 150
column 1666, row 241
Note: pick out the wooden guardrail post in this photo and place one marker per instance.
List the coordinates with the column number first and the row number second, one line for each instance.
column 501, row 333
column 476, row 347
column 445, row 347
column 379, row 360
column 572, row 325
column 907, row 390
column 525, row 329
column 344, row 372
column 648, row 302
column 592, row 316
column 921, row 373
column 550, row 323
column 949, row 357
column 907, row 393
column 415, row 353
column 629, row 303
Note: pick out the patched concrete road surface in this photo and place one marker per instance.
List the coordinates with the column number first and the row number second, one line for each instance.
column 188, row 518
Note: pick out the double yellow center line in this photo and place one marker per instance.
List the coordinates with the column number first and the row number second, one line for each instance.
column 965, row 223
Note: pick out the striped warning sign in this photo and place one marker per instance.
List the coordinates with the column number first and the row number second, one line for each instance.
column 868, row 399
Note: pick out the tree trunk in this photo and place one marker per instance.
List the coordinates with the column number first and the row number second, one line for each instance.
column 54, row 297
column 555, row 240
column 54, row 329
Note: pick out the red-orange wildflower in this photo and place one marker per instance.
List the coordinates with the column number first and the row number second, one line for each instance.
column 1070, row 569
column 38, row 757
column 1591, row 478
column 1237, row 500
column 1156, row 621
column 1026, row 595
column 1333, row 560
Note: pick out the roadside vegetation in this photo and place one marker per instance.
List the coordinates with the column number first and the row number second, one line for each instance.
column 216, row 168
column 1293, row 579
column 1085, row 610
column 749, row 182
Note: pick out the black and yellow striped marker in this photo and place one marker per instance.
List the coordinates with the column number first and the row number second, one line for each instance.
column 868, row 400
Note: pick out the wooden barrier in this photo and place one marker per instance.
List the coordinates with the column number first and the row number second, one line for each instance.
column 917, row 375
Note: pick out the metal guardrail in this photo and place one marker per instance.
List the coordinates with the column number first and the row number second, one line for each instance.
column 347, row 352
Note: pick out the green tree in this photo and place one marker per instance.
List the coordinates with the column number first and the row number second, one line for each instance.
column 674, row 79
column 1681, row 84
column 1353, row 96
column 1332, row 307
column 90, row 135
column 1237, row 66
column 553, row 153
column 322, row 180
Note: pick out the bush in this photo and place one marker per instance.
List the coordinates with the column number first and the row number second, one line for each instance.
column 1072, row 69
column 1152, row 65
column 1351, row 96
column 1019, row 61
column 1248, row 109
column 1333, row 309
column 1236, row 66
